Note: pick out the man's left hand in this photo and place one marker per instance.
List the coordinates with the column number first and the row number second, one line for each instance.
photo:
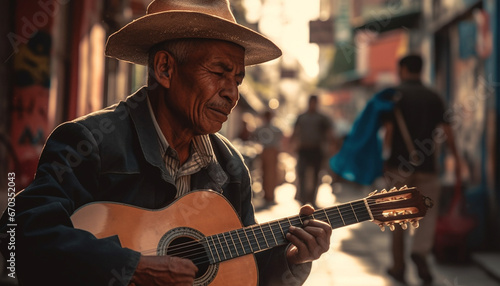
column 310, row 241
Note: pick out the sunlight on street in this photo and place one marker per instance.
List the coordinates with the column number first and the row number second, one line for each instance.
column 336, row 267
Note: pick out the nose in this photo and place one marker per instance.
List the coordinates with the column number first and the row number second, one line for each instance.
column 230, row 91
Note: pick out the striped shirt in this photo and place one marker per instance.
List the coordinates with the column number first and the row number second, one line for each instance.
column 201, row 155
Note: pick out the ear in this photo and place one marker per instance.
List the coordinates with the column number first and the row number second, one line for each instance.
column 163, row 68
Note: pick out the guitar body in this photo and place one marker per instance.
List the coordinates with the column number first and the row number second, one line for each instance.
column 189, row 218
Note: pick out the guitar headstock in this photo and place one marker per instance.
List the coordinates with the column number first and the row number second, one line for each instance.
column 398, row 206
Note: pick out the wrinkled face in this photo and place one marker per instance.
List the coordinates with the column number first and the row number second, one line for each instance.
column 204, row 90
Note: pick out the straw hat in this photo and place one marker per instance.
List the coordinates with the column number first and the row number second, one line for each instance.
column 177, row 19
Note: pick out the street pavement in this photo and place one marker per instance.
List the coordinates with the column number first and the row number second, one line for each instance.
column 359, row 254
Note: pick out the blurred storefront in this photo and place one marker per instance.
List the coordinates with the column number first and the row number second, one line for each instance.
column 460, row 37
column 57, row 71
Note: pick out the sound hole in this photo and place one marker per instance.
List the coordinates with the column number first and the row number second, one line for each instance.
column 187, row 243
column 187, row 247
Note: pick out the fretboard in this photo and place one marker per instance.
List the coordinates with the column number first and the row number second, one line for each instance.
column 255, row 238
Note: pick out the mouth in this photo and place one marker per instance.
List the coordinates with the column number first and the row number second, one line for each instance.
column 220, row 113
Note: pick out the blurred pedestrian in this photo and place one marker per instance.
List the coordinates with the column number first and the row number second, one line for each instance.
column 412, row 136
column 312, row 136
column 270, row 137
column 245, row 133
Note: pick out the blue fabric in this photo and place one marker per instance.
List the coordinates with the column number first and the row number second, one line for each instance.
column 360, row 158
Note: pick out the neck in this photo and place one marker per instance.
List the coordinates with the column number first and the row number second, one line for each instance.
column 178, row 137
column 259, row 237
column 411, row 77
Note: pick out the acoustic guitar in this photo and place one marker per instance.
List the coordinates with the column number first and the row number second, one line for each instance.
column 203, row 226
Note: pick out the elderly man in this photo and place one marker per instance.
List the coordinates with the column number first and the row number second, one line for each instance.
column 156, row 147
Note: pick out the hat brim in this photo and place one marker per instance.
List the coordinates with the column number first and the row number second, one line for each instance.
column 132, row 42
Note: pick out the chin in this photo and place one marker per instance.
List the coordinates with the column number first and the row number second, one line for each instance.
column 215, row 130
column 210, row 130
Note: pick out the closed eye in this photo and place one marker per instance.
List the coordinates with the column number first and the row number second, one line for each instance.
column 239, row 78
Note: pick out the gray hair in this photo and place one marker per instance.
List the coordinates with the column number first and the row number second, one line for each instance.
column 178, row 48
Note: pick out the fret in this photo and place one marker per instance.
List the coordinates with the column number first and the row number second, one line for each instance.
column 220, row 243
column 319, row 215
column 328, row 219
column 341, row 216
column 290, row 222
column 228, row 246
column 269, row 233
column 255, row 237
column 254, row 240
column 263, row 235
column 354, row 212
column 281, row 229
column 279, row 232
column 368, row 208
column 216, row 250
column 284, row 228
column 347, row 214
column 234, row 244
column 210, row 249
column 247, row 242
column 361, row 210
column 272, row 232
column 334, row 217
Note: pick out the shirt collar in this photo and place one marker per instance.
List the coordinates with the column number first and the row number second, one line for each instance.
column 201, row 144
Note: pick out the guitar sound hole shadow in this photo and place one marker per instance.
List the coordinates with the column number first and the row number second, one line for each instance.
column 186, row 242
column 187, row 247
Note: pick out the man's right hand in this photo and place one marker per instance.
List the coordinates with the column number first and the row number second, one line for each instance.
column 164, row 270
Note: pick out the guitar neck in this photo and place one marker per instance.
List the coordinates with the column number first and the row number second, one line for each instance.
column 255, row 238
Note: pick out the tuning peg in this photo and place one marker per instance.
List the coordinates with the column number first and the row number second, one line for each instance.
column 415, row 223
column 382, row 227
column 373, row 193
column 403, row 225
column 383, row 191
column 394, row 189
column 392, row 227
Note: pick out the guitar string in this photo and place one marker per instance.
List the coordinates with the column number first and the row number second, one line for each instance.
column 200, row 255
column 296, row 219
column 202, row 260
column 258, row 240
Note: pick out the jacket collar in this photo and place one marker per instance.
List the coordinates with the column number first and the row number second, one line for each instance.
column 150, row 146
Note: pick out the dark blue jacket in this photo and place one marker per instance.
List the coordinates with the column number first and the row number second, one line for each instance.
column 114, row 155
